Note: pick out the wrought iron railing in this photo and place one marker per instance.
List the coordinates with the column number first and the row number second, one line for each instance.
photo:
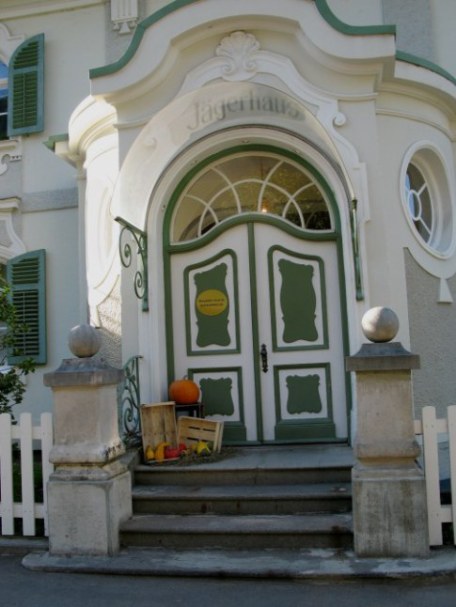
column 139, row 237
column 129, row 401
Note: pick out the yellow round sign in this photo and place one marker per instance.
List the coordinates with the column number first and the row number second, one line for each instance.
column 211, row 302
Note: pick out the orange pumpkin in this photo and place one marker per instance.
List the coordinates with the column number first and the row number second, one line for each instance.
column 184, row 391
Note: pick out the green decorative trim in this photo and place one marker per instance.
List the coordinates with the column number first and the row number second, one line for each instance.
column 138, row 36
column 323, row 343
column 300, row 429
column 235, row 305
column 376, row 30
column 233, row 431
column 356, row 255
column 322, row 7
column 254, row 303
column 312, row 431
column 433, row 67
column 143, row 26
column 141, row 276
column 53, row 139
column 250, row 220
column 251, row 217
column 352, row 30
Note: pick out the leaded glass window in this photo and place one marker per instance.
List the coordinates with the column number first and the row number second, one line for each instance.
column 250, row 183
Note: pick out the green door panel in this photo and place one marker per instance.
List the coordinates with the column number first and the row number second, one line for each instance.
column 211, row 304
column 298, row 302
column 303, row 394
column 216, row 396
column 212, row 307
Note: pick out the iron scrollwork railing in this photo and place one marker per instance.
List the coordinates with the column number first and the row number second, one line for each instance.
column 129, row 402
column 126, row 257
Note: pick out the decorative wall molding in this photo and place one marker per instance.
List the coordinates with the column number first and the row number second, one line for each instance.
column 124, row 15
column 30, row 9
column 10, row 151
column 8, row 43
column 239, row 49
column 10, row 243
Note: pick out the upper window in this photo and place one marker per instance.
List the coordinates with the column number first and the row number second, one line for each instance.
column 259, row 182
column 22, row 90
column 26, row 88
column 427, row 200
column 419, row 202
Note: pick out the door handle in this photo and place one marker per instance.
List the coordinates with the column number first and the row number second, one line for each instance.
column 264, row 358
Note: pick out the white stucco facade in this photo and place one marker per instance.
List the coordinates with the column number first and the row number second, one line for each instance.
column 325, row 82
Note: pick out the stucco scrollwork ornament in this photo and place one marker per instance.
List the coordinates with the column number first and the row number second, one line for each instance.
column 339, row 119
column 239, row 49
column 4, row 158
column 124, row 15
column 10, row 151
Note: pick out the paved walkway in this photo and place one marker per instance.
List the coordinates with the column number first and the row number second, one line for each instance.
column 298, row 565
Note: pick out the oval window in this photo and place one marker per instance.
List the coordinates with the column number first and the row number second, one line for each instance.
column 427, row 201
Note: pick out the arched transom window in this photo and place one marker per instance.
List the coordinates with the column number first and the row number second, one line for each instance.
column 258, row 182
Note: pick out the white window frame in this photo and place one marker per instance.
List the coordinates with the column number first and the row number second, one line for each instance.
column 430, row 163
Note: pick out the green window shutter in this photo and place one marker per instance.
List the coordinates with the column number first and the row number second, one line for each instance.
column 26, row 275
column 26, row 88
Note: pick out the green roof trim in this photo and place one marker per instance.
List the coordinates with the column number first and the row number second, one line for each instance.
column 351, row 30
column 53, row 139
column 322, row 7
column 433, row 67
column 137, row 37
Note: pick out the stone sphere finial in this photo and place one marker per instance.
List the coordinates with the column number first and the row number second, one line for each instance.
column 84, row 341
column 380, row 324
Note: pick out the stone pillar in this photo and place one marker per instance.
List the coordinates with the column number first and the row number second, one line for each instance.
column 389, row 495
column 89, row 493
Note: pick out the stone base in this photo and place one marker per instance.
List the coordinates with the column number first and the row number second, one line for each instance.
column 389, row 512
column 86, row 509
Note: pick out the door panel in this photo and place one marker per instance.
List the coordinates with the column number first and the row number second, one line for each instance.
column 212, row 331
column 242, row 293
column 302, row 332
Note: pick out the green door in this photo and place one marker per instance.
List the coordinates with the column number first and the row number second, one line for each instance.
column 255, row 318
column 257, row 325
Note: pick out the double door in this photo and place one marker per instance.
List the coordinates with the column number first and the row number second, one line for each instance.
column 256, row 322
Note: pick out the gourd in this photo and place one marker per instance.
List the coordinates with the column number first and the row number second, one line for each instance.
column 184, row 391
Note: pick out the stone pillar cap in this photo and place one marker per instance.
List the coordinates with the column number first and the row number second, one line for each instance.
column 83, row 371
column 390, row 356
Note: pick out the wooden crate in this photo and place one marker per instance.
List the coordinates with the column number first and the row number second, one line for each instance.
column 158, row 423
column 190, row 430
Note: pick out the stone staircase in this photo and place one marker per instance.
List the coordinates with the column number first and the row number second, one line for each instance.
column 255, row 498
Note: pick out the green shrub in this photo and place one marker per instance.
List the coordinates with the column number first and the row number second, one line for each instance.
column 11, row 329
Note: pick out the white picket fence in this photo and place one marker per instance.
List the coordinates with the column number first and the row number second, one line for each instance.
column 430, row 427
column 24, row 434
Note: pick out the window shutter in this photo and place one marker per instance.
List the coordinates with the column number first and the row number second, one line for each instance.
column 26, row 275
column 26, row 88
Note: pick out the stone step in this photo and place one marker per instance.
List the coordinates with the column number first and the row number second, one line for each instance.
column 242, row 499
column 238, row 532
column 211, row 475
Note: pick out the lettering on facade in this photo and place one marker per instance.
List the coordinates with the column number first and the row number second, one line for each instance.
column 208, row 112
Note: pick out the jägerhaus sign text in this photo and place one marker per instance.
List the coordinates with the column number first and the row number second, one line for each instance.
column 254, row 102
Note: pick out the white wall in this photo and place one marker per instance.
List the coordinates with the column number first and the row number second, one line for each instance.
column 357, row 12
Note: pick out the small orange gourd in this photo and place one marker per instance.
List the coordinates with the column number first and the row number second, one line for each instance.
column 184, row 391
